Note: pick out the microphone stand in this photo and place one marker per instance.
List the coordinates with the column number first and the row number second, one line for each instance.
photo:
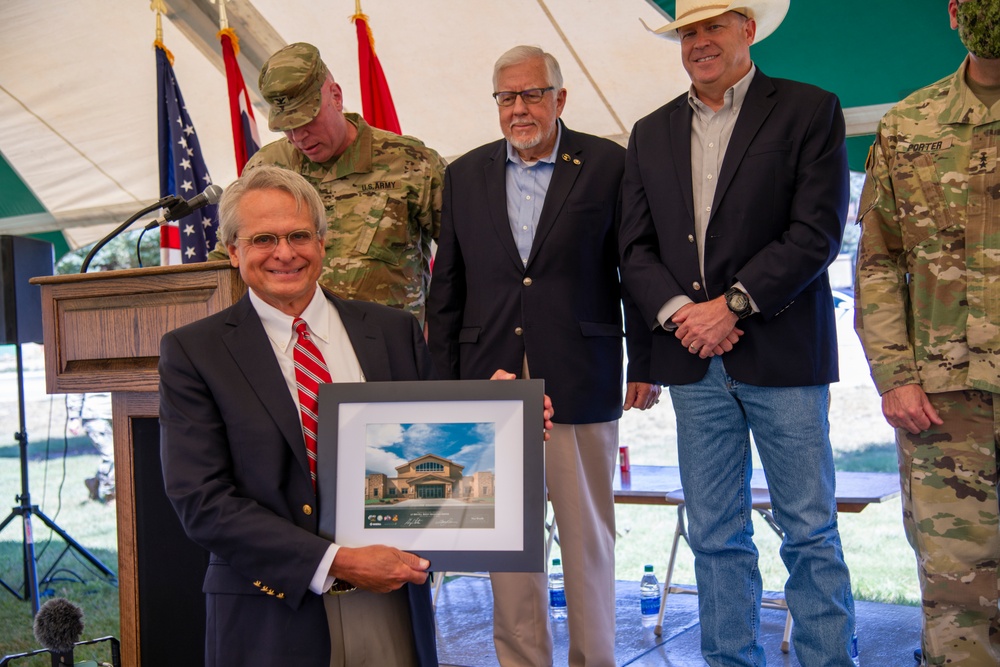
column 167, row 202
column 26, row 509
column 116, row 652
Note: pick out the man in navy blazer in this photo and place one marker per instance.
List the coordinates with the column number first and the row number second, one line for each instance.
column 526, row 277
column 734, row 202
column 234, row 459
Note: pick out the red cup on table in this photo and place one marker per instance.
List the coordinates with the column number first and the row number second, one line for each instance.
column 623, row 458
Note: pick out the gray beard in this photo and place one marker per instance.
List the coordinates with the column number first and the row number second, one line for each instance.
column 530, row 143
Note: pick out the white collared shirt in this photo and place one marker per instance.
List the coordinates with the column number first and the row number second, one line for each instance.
column 330, row 336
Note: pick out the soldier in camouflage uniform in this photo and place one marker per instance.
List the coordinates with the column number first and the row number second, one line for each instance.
column 928, row 315
column 382, row 191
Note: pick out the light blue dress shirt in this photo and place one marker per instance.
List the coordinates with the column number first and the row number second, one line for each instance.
column 527, row 184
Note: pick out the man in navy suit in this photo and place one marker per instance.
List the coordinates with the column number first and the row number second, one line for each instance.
column 526, row 277
column 734, row 201
column 235, row 463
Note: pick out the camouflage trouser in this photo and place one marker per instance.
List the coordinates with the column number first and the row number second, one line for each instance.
column 950, row 512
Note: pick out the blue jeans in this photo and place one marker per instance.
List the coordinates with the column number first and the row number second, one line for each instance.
column 714, row 419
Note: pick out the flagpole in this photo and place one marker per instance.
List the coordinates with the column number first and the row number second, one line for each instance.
column 160, row 8
column 223, row 19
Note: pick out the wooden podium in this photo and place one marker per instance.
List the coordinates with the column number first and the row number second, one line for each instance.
column 102, row 334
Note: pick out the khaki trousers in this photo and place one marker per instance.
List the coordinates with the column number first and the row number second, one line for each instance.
column 370, row 629
column 579, row 473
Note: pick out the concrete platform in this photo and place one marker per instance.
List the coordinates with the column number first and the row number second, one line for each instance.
column 887, row 634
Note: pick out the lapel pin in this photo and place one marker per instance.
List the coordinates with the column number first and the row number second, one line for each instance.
column 576, row 161
column 565, row 157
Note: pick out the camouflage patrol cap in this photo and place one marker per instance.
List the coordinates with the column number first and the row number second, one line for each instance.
column 292, row 81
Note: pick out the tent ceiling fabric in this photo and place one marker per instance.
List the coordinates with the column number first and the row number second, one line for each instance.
column 78, row 81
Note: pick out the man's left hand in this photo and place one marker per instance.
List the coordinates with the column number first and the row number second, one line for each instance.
column 707, row 329
column 641, row 395
column 547, row 410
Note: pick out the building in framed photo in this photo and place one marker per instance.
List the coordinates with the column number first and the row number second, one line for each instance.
column 429, row 476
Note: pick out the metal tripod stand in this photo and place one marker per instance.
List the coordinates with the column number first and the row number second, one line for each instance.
column 25, row 510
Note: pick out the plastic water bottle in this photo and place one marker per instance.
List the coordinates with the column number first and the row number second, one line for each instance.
column 557, row 591
column 649, row 597
column 854, row 650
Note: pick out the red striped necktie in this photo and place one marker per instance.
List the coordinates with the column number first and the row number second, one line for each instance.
column 310, row 371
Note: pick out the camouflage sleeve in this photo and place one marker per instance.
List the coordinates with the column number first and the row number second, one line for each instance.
column 881, row 297
column 429, row 214
column 255, row 160
column 218, row 252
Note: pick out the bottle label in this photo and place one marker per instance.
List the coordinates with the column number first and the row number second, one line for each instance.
column 557, row 598
column 650, row 606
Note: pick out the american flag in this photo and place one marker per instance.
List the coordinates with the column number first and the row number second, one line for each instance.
column 182, row 171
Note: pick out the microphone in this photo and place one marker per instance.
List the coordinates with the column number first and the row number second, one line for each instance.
column 182, row 208
column 176, row 208
column 58, row 626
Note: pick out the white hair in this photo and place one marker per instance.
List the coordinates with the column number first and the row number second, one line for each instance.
column 520, row 54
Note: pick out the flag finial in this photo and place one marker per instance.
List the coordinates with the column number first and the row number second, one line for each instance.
column 223, row 19
column 160, row 9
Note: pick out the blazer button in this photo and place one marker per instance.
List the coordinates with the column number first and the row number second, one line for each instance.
column 696, row 285
column 527, row 282
column 307, row 510
column 518, row 331
column 690, row 238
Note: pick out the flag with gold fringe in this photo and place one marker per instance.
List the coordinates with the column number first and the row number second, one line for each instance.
column 246, row 141
column 376, row 100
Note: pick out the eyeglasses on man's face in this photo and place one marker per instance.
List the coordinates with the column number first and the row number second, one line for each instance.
column 506, row 98
column 268, row 241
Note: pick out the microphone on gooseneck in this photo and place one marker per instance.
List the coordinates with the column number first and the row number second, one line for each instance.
column 58, row 626
column 176, row 208
column 183, row 208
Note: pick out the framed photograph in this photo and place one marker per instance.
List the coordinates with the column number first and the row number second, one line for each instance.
column 451, row 470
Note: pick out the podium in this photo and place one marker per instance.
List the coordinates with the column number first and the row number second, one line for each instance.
column 102, row 333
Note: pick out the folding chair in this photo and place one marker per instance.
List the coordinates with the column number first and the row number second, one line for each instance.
column 761, row 503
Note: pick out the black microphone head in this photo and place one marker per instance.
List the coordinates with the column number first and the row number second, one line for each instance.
column 58, row 625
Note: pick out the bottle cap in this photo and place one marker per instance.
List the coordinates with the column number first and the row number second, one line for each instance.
column 648, row 568
column 556, row 561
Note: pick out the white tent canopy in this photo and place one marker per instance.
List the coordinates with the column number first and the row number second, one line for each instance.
column 78, row 82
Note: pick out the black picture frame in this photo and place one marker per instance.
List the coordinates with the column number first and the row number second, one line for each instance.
column 435, row 417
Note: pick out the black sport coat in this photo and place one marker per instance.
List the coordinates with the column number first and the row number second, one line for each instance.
column 235, row 469
column 487, row 309
column 776, row 225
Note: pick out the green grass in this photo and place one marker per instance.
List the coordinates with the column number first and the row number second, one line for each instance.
column 57, row 488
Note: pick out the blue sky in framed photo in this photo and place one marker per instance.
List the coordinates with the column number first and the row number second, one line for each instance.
column 471, row 444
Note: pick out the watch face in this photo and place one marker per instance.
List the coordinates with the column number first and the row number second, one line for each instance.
column 738, row 301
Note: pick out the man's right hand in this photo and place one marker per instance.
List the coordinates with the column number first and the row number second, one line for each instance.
column 379, row 568
column 908, row 407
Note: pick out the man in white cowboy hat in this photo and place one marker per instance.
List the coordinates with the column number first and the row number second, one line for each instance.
column 734, row 201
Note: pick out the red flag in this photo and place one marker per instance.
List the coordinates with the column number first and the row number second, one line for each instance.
column 246, row 141
column 376, row 100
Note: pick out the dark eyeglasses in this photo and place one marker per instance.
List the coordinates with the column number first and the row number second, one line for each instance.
column 505, row 98
column 269, row 241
